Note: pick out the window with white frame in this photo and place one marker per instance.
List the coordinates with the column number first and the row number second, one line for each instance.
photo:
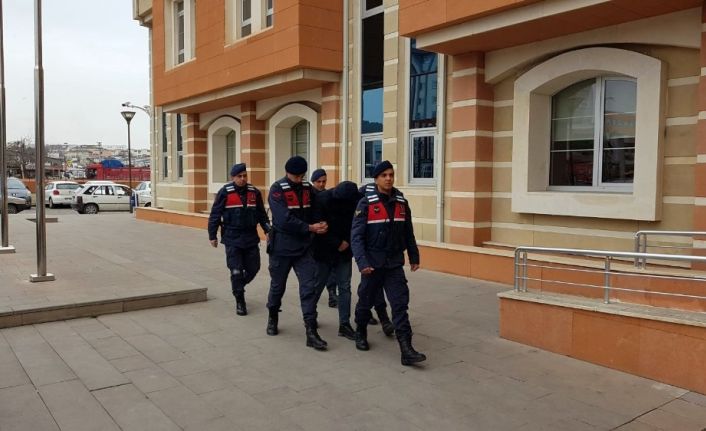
column 269, row 11
column 165, row 147
column 593, row 135
column 300, row 139
column 372, row 155
column 180, row 25
column 245, row 18
column 179, row 147
column 230, row 152
column 372, row 68
column 423, row 102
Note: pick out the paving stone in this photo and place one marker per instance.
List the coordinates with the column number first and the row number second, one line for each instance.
column 122, row 325
column 22, row 409
column 183, row 406
column 247, row 412
column 156, row 349
column 184, row 367
column 11, row 371
column 113, row 347
column 131, row 363
column 666, row 420
column 94, row 371
column 132, row 410
column 74, row 408
column 636, row 425
column 686, row 409
column 203, row 382
column 151, row 379
column 695, row 398
column 187, row 342
column 219, row 424
column 38, row 359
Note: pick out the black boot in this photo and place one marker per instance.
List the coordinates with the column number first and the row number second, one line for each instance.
column 241, row 309
column 387, row 327
column 346, row 330
column 272, row 321
column 409, row 355
column 332, row 297
column 361, row 337
column 373, row 321
column 312, row 337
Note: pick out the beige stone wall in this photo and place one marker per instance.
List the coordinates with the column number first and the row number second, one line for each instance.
column 683, row 71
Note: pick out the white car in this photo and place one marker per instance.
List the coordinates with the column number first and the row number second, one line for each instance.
column 59, row 193
column 92, row 198
column 144, row 194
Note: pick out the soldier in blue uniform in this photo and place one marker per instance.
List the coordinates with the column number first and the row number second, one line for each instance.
column 237, row 210
column 381, row 232
column 295, row 221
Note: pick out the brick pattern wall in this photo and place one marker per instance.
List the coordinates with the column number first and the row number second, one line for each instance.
column 469, row 151
column 700, row 167
column 253, row 146
column 330, row 137
column 195, row 164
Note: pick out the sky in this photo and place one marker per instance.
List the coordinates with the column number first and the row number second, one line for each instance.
column 95, row 58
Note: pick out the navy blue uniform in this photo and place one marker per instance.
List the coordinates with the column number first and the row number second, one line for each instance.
column 289, row 245
column 381, row 232
column 379, row 301
column 238, row 211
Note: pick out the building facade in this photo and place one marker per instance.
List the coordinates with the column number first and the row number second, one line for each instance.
column 509, row 122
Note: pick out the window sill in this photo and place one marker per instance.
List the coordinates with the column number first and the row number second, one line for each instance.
column 237, row 41
column 177, row 66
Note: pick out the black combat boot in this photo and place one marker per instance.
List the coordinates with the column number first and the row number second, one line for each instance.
column 373, row 321
column 332, row 297
column 361, row 337
column 387, row 327
column 346, row 330
column 272, row 321
column 241, row 309
column 312, row 336
column 409, row 355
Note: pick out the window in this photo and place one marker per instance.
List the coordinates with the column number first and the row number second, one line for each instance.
column 588, row 132
column 593, row 134
column 372, row 155
column 165, row 146
column 179, row 28
column 230, row 152
column 300, row 139
column 245, row 18
column 269, row 10
column 179, row 147
column 372, row 69
column 423, row 101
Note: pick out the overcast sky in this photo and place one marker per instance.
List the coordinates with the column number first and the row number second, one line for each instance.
column 95, row 58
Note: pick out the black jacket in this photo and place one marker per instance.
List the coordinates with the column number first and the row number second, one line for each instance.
column 292, row 207
column 382, row 230
column 337, row 206
column 238, row 211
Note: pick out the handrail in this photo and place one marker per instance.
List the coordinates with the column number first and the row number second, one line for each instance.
column 641, row 242
column 521, row 267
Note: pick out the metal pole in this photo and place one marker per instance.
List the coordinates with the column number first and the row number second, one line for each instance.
column 524, row 271
column 41, row 274
column 606, row 281
column 4, row 244
column 129, row 166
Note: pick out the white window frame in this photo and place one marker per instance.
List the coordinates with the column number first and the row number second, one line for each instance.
column 420, row 133
column 164, row 152
column 533, row 93
column 269, row 13
column 599, row 117
column 242, row 22
column 218, row 173
column 365, row 13
column 179, row 136
column 257, row 21
column 171, row 32
column 363, row 139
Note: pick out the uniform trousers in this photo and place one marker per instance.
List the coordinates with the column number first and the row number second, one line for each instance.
column 243, row 263
column 394, row 283
column 305, row 269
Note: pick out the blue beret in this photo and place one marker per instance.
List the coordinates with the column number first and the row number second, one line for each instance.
column 381, row 167
column 296, row 165
column 317, row 174
column 237, row 168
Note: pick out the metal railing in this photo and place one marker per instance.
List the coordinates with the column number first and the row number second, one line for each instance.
column 521, row 273
column 641, row 243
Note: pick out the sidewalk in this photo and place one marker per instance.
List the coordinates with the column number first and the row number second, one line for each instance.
column 200, row 367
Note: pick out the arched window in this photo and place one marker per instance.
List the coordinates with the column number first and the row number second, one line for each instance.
column 593, row 134
column 300, row 139
column 230, row 151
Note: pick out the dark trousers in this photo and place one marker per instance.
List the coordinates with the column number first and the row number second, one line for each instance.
column 394, row 283
column 341, row 271
column 243, row 263
column 305, row 270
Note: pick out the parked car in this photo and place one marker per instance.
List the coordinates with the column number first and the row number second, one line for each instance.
column 144, row 194
column 92, row 198
column 17, row 188
column 59, row 193
column 16, row 204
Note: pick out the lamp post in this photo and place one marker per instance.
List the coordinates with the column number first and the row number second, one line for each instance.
column 127, row 115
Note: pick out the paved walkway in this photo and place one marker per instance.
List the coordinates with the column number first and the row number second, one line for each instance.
column 201, row 367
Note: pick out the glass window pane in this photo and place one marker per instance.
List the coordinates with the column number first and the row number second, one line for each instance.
column 268, row 20
column 372, row 110
column 618, row 166
column 372, row 155
column 246, row 11
column 422, row 88
column 423, row 157
column 300, row 139
column 571, row 168
column 578, row 100
column 245, row 30
column 370, row 4
column 230, row 151
column 180, row 141
column 372, row 69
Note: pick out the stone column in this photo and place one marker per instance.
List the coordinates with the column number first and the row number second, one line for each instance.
column 469, row 152
column 330, row 147
column 700, row 167
column 253, row 146
column 195, row 164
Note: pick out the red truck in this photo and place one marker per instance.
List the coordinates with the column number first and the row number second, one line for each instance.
column 114, row 170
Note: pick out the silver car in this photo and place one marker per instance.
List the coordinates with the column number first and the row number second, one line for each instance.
column 17, row 188
column 15, row 205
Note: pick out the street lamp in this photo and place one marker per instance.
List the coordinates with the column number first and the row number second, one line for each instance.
column 127, row 115
column 146, row 108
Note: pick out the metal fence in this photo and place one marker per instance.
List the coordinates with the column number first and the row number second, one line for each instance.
column 523, row 265
column 642, row 244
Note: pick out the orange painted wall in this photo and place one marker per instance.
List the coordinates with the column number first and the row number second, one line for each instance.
column 306, row 34
column 417, row 16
